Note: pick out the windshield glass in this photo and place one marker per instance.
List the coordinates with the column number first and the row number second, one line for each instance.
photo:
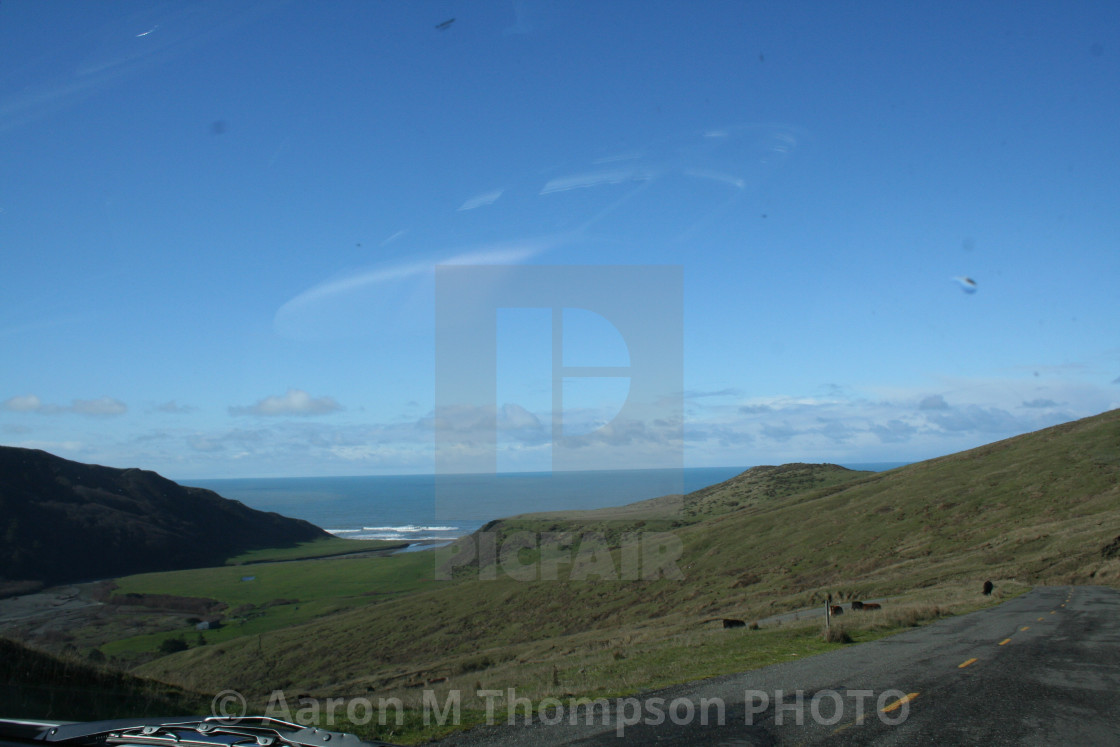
column 429, row 242
column 222, row 220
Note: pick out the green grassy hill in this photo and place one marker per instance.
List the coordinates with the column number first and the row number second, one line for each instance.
column 37, row 685
column 758, row 486
column 1039, row 508
column 275, row 595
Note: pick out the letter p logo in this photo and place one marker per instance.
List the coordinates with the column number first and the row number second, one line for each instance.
column 644, row 306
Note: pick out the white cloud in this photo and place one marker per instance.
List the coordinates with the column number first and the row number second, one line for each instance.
column 594, row 179
column 358, row 453
column 372, row 277
column 174, row 408
column 26, row 403
column 205, row 444
column 894, row 431
column 723, row 428
column 54, row 447
column 780, row 431
column 890, row 424
column 387, row 290
column 515, row 417
column 975, row 418
column 482, row 200
column 933, row 402
column 394, row 237
column 1040, row 403
column 513, row 420
column 100, row 407
column 282, row 447
column 293, row 402
column 699, row 394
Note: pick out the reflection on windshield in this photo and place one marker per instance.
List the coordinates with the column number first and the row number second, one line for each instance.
column 252, row 240
column 273, row 186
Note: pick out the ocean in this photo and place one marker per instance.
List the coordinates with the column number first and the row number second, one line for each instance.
column 405, row 507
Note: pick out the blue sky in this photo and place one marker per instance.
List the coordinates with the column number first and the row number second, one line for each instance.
column 221, row 221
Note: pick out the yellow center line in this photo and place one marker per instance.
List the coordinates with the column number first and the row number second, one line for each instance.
column 965, row 664
column 1041, row 619
column 1053, row 612
column 899, row 702
column 1005, row 641
column 1025, row 627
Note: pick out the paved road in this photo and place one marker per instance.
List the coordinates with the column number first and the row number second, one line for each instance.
column 1040, row 669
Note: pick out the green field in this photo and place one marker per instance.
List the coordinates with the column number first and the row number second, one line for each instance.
column 320, row 548
column 268, row 596
column 304, row 580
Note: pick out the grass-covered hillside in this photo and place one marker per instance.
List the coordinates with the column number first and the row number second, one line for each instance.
column 1039, row 508
column 251, row 600
column 37, row 685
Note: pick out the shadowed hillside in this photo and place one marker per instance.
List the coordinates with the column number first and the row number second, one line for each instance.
column 1043, row 507
column 36, row 685
column 63, row 521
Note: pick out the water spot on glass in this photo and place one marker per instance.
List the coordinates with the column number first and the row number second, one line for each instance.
column 968, row 285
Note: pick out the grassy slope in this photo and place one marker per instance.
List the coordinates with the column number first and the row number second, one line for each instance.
column 282, row 594
column 757, row 486
column 37, row 685
column 1037, row 508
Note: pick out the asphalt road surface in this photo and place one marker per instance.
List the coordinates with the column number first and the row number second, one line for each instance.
column 1040, row 669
